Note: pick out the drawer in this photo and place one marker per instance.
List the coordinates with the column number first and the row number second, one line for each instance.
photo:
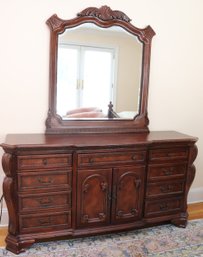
column 168, row 154
column 44, row 161
column 163, row 189
column 111, row 158
column 163, row 172
column 36, row 180
column 45, row 222
column 163, row 206
column 36, row 202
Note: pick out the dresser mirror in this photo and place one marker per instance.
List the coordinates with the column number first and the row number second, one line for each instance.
column 99, row 73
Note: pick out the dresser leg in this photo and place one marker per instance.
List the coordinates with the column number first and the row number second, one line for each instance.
column 14, row 245
column 181, row 221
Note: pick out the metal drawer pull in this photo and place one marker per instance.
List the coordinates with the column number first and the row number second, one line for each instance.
column 134, row 157
column 91, row 160
column 168, row 172
column 45, row 161
column 45, row 221
column 166, row 188
column 45, row 201
column 45, row 181
column 163, row 206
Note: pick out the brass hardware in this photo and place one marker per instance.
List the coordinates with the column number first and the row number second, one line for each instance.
column 163, row 206
column 45, row 221
column 168, row 172
column 44, row 181
column 82, row 84
column 166, row 188
column 45, row 201
column 78, row 84
column 45, row 161
column 91, row 160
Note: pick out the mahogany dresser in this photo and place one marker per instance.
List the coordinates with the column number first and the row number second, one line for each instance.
column 78, row 185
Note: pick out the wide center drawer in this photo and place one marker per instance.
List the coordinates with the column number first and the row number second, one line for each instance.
column 44, row 161
column 89, row 159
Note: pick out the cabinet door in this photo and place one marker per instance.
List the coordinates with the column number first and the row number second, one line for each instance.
column 127, row 195
column 93, row 197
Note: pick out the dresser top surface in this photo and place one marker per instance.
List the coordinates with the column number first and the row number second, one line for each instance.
column 94, row 140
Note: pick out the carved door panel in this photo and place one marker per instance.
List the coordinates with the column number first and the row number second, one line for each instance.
column 93, row 192
column 127, row 195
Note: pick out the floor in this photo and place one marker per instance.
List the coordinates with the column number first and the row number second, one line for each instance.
column 195, row 212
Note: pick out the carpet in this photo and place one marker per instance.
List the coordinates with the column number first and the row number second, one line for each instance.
column 160, row 241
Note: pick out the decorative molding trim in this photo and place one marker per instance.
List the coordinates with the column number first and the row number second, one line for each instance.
column 104, row 13
column 4, row 218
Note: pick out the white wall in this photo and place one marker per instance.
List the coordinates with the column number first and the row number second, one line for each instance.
column 176, row 79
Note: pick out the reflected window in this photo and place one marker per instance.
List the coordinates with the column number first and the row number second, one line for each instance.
column 86, row 77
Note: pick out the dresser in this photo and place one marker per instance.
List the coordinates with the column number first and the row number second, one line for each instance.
column 81, row 185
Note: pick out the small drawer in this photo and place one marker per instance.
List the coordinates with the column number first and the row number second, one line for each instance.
column 33, row 180
column 162, row 172
column 163, row 207
column 36, row 202
column 163, row 189
column 44, row 161
column 168, row 154
column 111, row 158
column 45, row 222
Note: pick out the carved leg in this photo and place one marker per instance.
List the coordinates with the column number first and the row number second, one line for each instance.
column 181, row 221
column 15, row 246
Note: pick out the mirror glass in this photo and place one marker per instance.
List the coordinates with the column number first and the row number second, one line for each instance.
column 96, row 66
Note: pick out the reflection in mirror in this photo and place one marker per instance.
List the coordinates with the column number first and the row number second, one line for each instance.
column 97, row 66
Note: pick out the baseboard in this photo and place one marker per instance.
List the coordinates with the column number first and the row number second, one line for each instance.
column 4, row 218
column 195, row 195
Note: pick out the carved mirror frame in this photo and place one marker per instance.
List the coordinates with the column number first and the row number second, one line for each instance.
column 103, row 17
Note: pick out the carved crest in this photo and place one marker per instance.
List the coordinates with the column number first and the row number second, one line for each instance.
column 104, row 13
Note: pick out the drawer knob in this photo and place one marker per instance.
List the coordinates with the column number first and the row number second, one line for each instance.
column 167, row 172
column 163, row 206
column 91, row 160
column 134, row 157
column 45, row 161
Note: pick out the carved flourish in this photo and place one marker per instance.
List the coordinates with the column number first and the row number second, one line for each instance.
column 147, row 34
column 104, row 13
column 191, row 169
column 54, row 22
column 8, row 191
